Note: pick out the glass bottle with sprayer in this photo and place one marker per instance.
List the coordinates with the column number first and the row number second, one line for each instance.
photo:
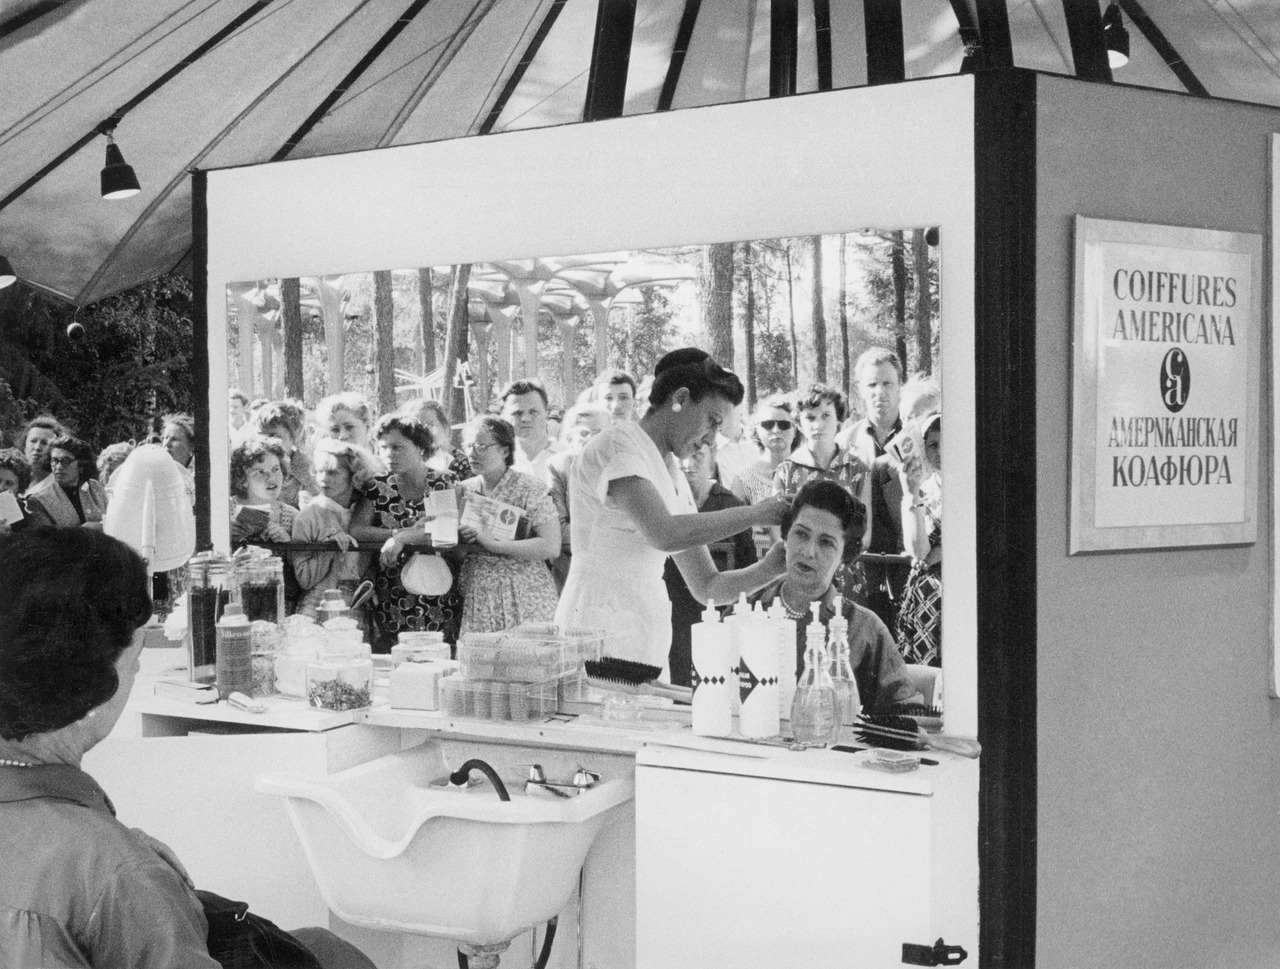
column 814, row 715
column 848, row 700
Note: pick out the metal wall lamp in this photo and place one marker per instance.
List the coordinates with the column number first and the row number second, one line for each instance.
column 118, row 178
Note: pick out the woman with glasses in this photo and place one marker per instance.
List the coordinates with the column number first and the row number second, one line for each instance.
column 72, row 494
column 631, row 507
column 506, row 582
column 391, row 510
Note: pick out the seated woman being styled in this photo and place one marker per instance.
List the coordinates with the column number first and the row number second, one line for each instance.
column 71, row 495
column 822, row 531
column 78, row 887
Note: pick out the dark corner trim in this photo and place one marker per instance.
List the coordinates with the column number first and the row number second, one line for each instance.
column 1005, row 362
column 200, row 356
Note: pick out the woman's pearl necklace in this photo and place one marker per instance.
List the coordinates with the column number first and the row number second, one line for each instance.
column 15, row 763
column 791, row 613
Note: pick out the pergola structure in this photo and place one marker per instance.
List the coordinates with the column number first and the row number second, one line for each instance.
column 499, row 294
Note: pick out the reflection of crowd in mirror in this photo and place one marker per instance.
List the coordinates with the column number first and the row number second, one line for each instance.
column 339, row 476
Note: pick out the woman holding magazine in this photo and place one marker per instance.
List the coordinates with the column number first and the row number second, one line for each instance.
column 505, row 581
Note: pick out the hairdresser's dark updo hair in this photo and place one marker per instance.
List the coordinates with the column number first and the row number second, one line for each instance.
column 831, row 496
column 72, row 601
column 696, row 371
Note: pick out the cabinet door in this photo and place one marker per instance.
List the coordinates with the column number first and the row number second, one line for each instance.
column 736, row 871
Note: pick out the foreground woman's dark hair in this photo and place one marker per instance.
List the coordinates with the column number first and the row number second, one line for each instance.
column 72, row 600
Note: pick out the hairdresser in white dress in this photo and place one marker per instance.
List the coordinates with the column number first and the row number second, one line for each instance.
column 630, row 507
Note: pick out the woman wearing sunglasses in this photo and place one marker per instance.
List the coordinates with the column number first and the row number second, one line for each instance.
column 773, row 430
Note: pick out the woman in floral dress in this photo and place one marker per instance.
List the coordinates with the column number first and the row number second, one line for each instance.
column 505, row 583
column 391, row 510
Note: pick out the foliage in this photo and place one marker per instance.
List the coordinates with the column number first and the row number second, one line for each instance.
column 131, row 362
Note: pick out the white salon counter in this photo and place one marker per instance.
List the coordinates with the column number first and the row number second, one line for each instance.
column 184, row 772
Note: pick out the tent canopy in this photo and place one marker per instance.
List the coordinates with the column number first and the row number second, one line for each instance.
column 214, row 83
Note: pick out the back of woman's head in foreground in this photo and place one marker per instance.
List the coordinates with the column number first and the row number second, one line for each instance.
column 73, row 598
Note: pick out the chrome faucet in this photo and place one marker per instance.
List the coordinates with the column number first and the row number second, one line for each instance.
column 537, row 784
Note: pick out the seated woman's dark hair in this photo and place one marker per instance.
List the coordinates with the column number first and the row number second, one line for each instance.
column 696, row 371
column 73, row 599
column 81, row 451
column 503, row 431
column 249, row 453
column 815, row 395
column 413, row 429
column 831, row 496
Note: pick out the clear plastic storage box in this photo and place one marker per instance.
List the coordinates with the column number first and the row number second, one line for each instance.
column 514, row 658
column 461, row 696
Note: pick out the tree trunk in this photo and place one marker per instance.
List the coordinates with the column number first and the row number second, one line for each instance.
column 845, row 385
column 717, row 301
column 899, row 263
column 749, row 325
column 428, row 324
column 924, row 304
column 384, row 375
column 291, row 314
column 791, row 319
column 819, row 312
column 455, row 343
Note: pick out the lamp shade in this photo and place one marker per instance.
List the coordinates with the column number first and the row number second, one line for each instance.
column 149, row 508
column 7, row 276
column 1116, row 37
column 118, row 178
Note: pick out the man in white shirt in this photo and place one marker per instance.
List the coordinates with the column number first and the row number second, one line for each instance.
column 524, row 404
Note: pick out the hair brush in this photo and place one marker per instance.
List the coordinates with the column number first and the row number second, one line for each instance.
column 628, row 676
column 903, row 733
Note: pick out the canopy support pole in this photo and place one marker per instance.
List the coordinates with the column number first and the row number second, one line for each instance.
column 684, row 35
column 610, row 58
column 1088, row 48
column 886, row 56
column 522, row 65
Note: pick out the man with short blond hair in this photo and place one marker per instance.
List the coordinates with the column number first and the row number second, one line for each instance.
column 878, row 374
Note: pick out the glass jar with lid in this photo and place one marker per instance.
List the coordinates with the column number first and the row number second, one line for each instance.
column 303, row 641
column 341, row 678
column 210, row 586
column 260, row 579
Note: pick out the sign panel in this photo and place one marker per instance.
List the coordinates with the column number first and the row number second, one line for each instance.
column 1165, row 386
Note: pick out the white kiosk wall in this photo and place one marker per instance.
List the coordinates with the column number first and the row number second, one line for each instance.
column 892, row 156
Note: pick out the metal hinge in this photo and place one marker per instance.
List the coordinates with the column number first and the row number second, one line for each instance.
column 938, row 954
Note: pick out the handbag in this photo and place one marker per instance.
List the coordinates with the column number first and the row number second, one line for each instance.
column 238, row 939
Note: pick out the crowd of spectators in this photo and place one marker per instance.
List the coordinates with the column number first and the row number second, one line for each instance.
column 352, row 491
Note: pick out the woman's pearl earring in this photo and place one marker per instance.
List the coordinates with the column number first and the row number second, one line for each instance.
column 675, row 407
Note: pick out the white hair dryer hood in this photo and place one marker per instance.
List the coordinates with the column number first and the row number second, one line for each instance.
column 149, row 508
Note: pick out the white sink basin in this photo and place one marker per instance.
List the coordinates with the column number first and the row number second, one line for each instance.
column 389, row 851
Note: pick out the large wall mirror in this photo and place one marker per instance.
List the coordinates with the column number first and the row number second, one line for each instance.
column 857, row 165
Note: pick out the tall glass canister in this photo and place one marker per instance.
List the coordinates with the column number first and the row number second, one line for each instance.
column 210, row 586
